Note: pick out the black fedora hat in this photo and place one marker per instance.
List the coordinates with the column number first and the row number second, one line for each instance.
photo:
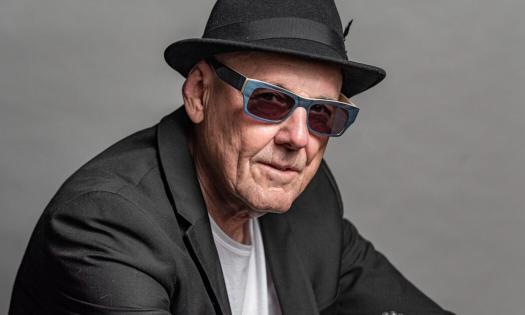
column 304, row 28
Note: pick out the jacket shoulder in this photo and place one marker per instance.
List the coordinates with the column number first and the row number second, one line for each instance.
column 122, row 166
column 127, row 173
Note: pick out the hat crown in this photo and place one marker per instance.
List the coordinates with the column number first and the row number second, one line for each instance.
column 227, row 12
column 280, row 23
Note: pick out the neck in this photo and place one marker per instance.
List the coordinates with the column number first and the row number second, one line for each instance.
column 230, row 214
column 235, row 225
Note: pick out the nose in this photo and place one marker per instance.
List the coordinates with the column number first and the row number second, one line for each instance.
column 293, row 132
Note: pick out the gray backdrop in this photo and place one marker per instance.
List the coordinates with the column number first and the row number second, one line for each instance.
column 432, row 173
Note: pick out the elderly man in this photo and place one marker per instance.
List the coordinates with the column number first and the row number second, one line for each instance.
column 225, row 206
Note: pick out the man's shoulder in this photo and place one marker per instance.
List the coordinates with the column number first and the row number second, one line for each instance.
column 120, row 170
column 123, row 186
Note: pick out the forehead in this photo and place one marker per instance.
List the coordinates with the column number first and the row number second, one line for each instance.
column 305, row 77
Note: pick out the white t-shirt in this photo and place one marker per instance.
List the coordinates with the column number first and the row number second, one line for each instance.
column 250, row 287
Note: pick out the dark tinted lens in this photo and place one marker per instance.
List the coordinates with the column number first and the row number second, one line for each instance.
column 327, row 119
column 269, row 104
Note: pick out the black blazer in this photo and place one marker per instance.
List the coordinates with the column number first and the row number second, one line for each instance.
column 128, row 233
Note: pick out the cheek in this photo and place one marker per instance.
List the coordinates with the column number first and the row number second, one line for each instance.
column 234, row 138
column 222, row 135
column 316, row 148
column 256, row 141
column 255, row 136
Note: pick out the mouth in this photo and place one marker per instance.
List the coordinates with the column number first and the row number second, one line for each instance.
column 281, row 167
column 279, row 174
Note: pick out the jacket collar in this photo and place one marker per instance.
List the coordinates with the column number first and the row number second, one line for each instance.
column 291, row 282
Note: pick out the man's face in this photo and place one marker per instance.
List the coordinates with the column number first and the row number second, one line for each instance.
column 261, row 165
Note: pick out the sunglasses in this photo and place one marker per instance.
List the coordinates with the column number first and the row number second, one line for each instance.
column 272, row 104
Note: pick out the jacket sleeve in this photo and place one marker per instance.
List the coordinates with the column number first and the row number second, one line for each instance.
column 97, row 254
column 370, row 285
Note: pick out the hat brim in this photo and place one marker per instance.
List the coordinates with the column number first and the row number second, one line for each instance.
column 357, row 77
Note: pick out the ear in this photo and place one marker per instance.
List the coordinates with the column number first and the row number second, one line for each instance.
column 196, row 91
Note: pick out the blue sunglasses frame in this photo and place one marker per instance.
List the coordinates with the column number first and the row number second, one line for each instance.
column 247, row 86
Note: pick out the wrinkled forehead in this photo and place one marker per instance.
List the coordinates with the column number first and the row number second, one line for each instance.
column 287, row 71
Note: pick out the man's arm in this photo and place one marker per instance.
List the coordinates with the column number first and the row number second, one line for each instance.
column 370, row 285
column 97, row 254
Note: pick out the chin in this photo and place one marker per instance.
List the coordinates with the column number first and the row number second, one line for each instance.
column 270, row 202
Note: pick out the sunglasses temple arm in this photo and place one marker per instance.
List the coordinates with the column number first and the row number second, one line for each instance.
column 226, row 74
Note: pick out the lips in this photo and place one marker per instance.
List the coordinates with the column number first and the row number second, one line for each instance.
column 278, row 174
column 282, row 167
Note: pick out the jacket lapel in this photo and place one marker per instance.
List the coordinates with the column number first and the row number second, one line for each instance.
column 202, row 249
column 292, row 284
column 178, row 169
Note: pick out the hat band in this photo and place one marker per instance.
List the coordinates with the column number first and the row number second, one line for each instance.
column 279, row 28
